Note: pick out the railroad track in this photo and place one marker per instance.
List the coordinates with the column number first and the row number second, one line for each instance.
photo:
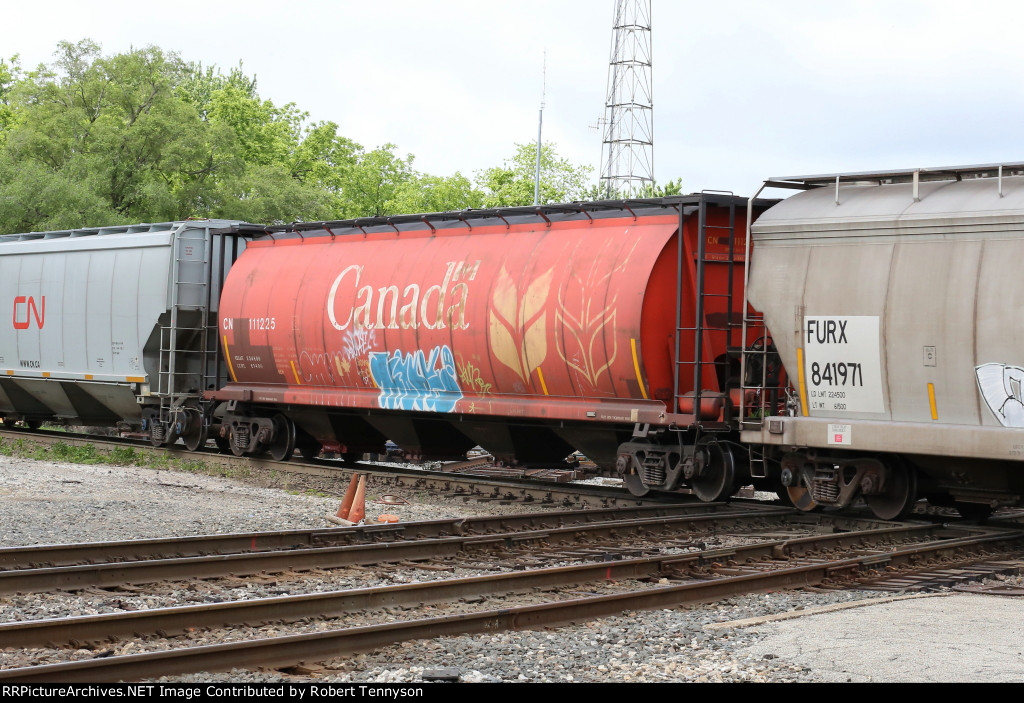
column 41, row 556
column 528, row 536
column 510, row 486
column 781, row 551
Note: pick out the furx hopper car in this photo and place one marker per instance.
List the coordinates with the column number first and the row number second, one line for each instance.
column 894, row 301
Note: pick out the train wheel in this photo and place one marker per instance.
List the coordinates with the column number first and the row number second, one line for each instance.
column 716, row 480
column 33, row 424
column 799, row 497
column 793, row 488
column 195, row 437
column 900, row 493
column 195, row 432
column 635, row 485
column 283, row 443
column 626, row 467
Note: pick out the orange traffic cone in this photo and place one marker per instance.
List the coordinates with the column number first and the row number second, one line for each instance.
column 352, row 508
column 358, row 511
column 350, row 494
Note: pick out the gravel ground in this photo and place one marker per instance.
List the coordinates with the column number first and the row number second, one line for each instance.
column 737, row 640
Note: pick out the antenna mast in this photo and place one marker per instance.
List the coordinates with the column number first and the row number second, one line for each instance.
column 540, row 125
column 627, row 152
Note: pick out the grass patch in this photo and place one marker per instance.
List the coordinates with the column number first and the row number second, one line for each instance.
column 161, row 460
column 72, row 453
column 126, row 456
column 143, row 457
column 194, row 466
column 116, row 456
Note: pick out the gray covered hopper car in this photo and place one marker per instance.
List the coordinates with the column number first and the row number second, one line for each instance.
column 894, row 301
column 113, row 325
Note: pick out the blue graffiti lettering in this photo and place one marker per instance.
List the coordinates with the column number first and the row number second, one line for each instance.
column 414, row 382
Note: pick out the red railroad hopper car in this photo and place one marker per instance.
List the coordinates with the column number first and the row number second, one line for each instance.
column 611, row 328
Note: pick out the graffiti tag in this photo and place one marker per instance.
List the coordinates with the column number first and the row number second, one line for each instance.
column 1002, row 387
column 416, row 382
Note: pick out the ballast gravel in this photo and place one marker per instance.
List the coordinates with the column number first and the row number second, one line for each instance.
column 755, row 638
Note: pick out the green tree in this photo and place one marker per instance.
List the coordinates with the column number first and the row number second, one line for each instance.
column 111, row 125
column 325, row 159
column 332, row 177
column 371, row 185
column 9, row 76
column 144, row 136
column 426, row 193
column 600, row 192
column 660, row 191
column 200, row 83
column 514, row 183
column 91, row 139
column 255, row 156
column 264, row 134
column 36, row 198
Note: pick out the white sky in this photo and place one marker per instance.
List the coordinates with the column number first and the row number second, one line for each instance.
column 743, row 90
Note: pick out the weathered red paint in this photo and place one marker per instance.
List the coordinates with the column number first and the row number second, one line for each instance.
column 530, row 320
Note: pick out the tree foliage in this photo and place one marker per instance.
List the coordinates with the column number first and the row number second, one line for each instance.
column 143, row 135
column 9, row 75
column 515, row 182
column 649, row 190
column 91, row 139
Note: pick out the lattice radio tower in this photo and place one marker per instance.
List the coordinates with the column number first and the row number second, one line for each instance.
column 627, row 152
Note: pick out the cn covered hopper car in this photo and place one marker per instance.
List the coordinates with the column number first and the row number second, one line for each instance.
column 109, row 325
column 611, row 328
column 894, row 301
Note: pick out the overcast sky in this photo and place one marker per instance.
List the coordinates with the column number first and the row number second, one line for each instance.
column 743, row 90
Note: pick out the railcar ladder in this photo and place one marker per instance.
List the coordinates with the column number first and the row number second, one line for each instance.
column 185, row 344
column 692, row 265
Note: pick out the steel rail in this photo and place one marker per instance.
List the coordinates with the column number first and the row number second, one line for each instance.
column 477, row 487
column 243, row 564
column 35, row 556
column 177, row 620
column 308, row 648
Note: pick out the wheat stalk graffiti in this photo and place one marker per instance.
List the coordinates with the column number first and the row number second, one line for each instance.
column 587, row 332
column 518, row 326
column 519, row 329
column 584, row 329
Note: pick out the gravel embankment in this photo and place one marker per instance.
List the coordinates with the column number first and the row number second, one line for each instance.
column 46, row 502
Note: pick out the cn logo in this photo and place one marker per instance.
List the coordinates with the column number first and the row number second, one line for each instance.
column 26, row 309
